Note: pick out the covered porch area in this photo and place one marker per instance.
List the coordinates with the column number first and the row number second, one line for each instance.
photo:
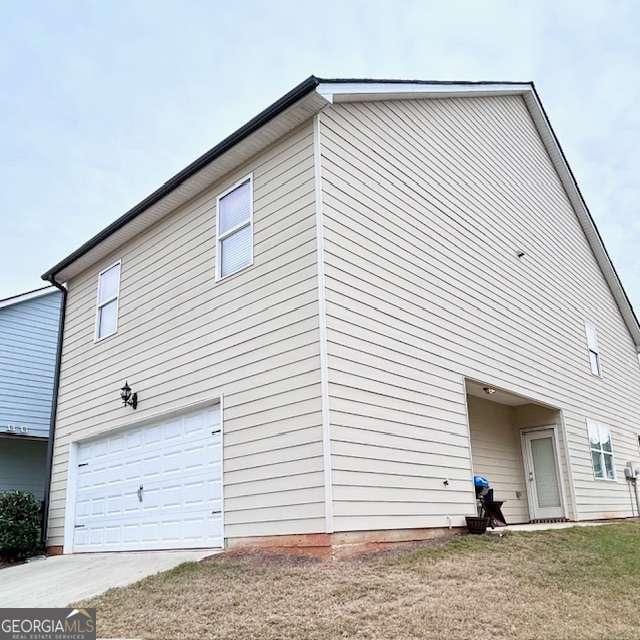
column 516, row 444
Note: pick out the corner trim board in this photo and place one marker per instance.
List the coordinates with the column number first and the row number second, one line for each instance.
column 571, row 505
column 70, row 505
column 322, row 329
column 465, row 400
column 222, row 509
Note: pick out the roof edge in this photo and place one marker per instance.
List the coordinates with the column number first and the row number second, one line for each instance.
column 426, row 82
column 292, row 96
column 27, row 295
column 583, row 213
column 245, row 130
column 526, row 88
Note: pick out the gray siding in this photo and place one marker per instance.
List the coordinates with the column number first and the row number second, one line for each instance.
column 425, row 204
column 23, row 465
column 184, row 339
column 28, row 342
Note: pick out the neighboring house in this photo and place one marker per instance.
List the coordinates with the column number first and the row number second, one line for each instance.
column 28, row 345
column 333, row 319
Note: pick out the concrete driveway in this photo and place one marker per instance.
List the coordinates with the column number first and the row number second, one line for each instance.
column 58, row 581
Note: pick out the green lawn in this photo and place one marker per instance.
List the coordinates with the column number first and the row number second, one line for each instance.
column 574, row 583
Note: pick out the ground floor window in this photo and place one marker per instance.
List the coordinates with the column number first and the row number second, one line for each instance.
column 601, row 451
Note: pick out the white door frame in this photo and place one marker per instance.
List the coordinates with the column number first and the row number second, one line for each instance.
column 72, row 468
column 528, row 470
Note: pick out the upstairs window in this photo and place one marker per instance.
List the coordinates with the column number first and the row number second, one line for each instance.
column 601, row 451
column 592, row 348
column 234, row 229
column 107, row 311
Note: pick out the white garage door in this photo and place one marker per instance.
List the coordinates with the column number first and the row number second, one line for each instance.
column 157, row 486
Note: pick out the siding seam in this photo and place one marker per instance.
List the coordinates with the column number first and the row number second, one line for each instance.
column 322, row 329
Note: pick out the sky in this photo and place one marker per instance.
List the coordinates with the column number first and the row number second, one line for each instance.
column 101, row 102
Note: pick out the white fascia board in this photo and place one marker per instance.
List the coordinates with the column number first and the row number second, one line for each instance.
column 27, row 296
column 357, row 91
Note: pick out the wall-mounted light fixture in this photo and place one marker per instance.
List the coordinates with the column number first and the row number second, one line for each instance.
column 129, row 398
column 489, row 390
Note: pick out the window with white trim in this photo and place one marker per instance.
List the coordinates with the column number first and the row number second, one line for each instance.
column 107, row 309
column 234, row 229
column 601, row 450
column 592, row 347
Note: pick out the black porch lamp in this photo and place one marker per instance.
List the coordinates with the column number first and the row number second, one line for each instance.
column 129, row 398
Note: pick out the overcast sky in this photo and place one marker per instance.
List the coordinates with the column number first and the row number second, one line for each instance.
column 101, row 102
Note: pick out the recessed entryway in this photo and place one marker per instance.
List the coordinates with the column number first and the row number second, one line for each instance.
column 152, row 486
column 515, row 445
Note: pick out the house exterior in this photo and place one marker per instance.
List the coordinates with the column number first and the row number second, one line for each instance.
column 29, row 327
column 335, row 318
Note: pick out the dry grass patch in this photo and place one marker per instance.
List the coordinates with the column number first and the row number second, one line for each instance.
column 579, row 582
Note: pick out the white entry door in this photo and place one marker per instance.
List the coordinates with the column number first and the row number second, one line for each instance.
column 157, row 486
column 542, row 473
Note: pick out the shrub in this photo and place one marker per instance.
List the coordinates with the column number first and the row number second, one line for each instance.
column 19, row 525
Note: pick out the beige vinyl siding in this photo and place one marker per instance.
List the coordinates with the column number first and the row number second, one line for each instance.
column 497, row 455
column 426, row 203
column 184, row 339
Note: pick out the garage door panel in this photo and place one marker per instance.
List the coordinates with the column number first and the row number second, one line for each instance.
column 130, row 533
column 134, row 440
column 118, row 444
column 114, row 504
column 122, row 492
column 178, row 532
column 178, row 464
column 98, row 506
column 112, row 534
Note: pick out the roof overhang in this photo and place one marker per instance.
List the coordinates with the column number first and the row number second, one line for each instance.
column 28, row 295
column 359, row 91
column 280, row 118
column 302, row 102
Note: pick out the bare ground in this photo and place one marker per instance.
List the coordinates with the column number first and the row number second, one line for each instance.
column 572, row 583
